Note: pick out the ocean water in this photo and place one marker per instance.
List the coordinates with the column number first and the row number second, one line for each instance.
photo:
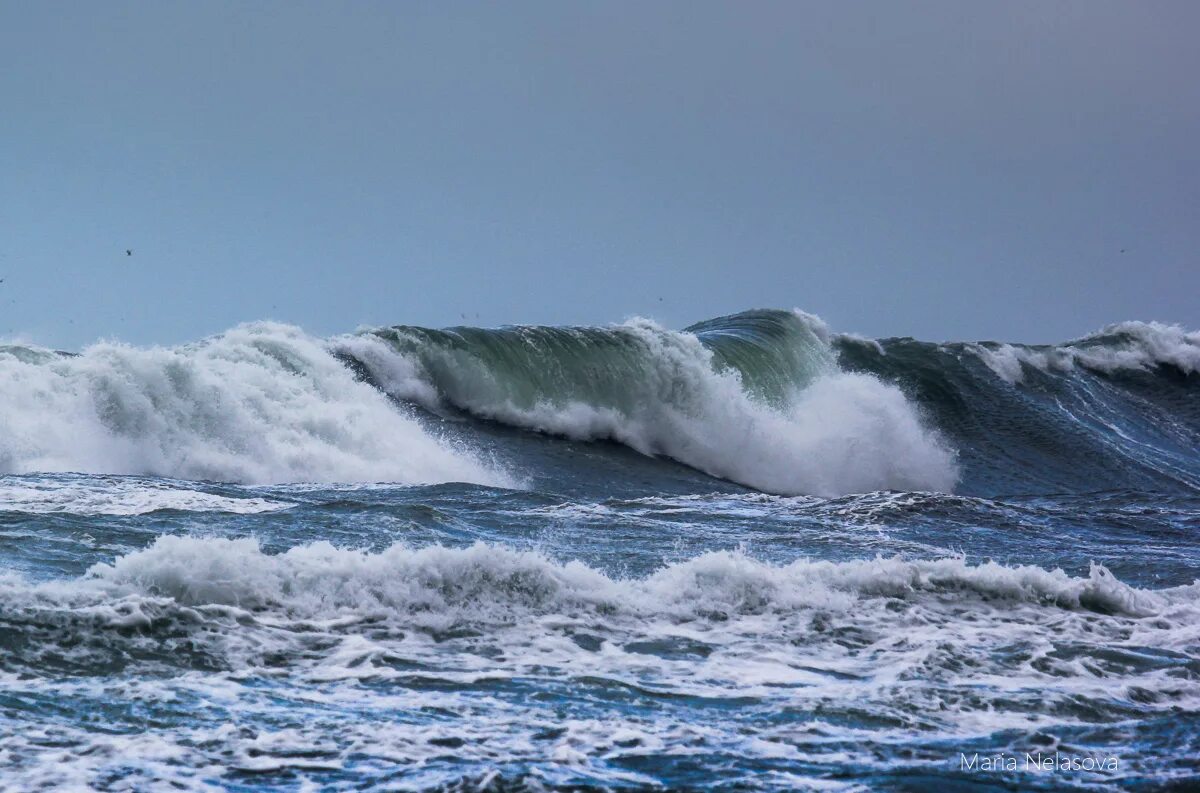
column 752, row 555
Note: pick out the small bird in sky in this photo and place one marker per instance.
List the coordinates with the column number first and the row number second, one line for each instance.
column 129, row 251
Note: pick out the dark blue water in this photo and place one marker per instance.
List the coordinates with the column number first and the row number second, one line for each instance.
column 752, row 556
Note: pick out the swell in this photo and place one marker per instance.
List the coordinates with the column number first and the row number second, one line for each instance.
column 1117, row 409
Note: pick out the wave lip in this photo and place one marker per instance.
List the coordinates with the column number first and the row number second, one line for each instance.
column 756, row 398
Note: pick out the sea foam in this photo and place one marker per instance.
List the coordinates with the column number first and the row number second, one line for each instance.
column 485, row 582
column 260, row 403
column 1124, row 346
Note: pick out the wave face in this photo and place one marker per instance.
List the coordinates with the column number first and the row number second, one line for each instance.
column 1116, row 409
column 260, row 403
column 757, row 398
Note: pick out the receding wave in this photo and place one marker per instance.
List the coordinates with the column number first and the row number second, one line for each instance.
column 83, row 495
column 485, row 583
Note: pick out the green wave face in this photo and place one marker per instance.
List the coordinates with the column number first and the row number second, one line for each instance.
column 756, row 398
column 771, row 353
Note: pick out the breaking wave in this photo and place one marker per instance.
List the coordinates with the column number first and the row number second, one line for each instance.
column 877, row 650
column 260, row 403
column 756, row 398
column 768, row 399
column 487, row 583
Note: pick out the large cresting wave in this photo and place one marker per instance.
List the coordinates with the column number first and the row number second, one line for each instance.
column 757, row 398
column 768, row 399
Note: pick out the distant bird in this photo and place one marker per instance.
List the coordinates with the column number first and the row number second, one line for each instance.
column 660, row 300
column 1122, row 250
column 129, row 251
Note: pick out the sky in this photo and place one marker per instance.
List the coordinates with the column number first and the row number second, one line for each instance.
column 1024, row 171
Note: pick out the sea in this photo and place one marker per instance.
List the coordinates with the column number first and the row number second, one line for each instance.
column 753, row 554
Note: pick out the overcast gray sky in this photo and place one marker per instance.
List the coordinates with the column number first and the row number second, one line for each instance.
column 1015, row 170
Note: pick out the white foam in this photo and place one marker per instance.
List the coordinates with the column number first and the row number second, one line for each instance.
column 881, row 652
column 80, row 496
column 260, row 403
column 845, row 433
column 487, row 582
column 1148, row 344
column 864, row 341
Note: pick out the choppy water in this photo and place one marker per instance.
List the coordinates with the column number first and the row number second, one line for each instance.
column 752, row 555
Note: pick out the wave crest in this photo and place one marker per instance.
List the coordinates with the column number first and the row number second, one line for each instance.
column 1125, row 346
